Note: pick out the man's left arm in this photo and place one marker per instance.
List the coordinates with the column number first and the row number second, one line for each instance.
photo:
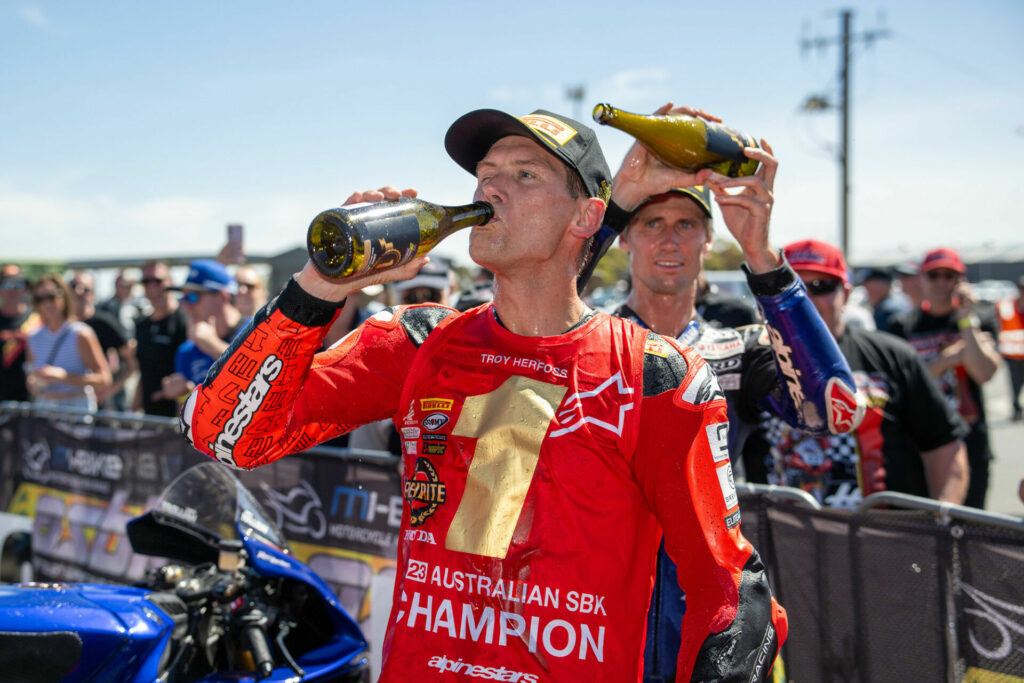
column 732, row 627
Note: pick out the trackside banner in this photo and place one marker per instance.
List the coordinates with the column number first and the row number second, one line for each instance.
column 82, row 482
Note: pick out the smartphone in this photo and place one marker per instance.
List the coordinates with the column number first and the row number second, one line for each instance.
column 235, row 237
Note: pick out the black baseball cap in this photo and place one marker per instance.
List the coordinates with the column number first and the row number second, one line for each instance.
column 698, row 193
column 471, row 136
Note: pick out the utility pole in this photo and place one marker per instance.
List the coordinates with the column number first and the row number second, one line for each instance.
column 576, row 94
column 820, row 102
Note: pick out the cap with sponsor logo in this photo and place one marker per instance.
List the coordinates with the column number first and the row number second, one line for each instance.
column 471, row 136
column 818, row 257
column 943, row 257
column 210, row 275
column 698, row 193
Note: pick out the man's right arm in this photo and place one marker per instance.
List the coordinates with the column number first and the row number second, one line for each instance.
column 271, row 393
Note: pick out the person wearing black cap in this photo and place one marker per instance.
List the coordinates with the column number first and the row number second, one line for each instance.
column 546, row 447
column 877, row 284
column 432, row 284
column 667, row 238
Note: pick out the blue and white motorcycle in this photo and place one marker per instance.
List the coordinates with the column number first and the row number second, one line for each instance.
column 233, row 605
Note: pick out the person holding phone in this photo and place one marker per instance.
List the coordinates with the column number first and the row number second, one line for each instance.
column 956, row 339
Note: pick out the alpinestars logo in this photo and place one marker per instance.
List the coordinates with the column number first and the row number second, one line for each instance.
column 576, row 416
column 845, row 407
column 490, row 673
column 424, row 491
column 784, row 357
column 249, row 401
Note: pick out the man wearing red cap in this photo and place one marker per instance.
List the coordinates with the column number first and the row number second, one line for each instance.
column 909, row 439
column 955, row 340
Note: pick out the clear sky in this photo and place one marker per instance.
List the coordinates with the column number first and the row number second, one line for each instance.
column 143, row 128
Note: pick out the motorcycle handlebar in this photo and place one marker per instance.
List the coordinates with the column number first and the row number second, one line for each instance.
column 259, row 645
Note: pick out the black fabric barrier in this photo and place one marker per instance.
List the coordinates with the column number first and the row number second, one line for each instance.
column 892, row 595
column 82, row 481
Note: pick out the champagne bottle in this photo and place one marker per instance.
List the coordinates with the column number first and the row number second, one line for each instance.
column 361, row 238
column 683, row 141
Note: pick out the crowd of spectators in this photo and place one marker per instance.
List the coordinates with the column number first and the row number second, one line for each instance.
column 143, row 347
column 62, row 345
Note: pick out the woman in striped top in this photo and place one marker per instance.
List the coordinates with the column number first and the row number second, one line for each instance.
column 65, row 363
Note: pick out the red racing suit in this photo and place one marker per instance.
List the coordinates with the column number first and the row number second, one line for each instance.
column 536, row 472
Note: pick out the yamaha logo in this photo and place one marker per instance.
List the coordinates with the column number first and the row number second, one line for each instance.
column 434, row 421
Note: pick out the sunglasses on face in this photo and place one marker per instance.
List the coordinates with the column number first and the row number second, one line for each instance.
column 192, row 298
column 821, row 287
column 941, row 275
column 43, row 298
column 151, row 281
column 420, row 295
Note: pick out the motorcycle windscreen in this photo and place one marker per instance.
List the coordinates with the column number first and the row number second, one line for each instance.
column 162, row 535
column 204, row 505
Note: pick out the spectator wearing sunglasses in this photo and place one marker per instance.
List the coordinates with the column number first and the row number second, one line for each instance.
column 956, row 341
column 909, row 440
column 433, row 284
column 117, row 345
column 64, row 362
column 213, row 322
column 158, row 337
column 252, row 292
